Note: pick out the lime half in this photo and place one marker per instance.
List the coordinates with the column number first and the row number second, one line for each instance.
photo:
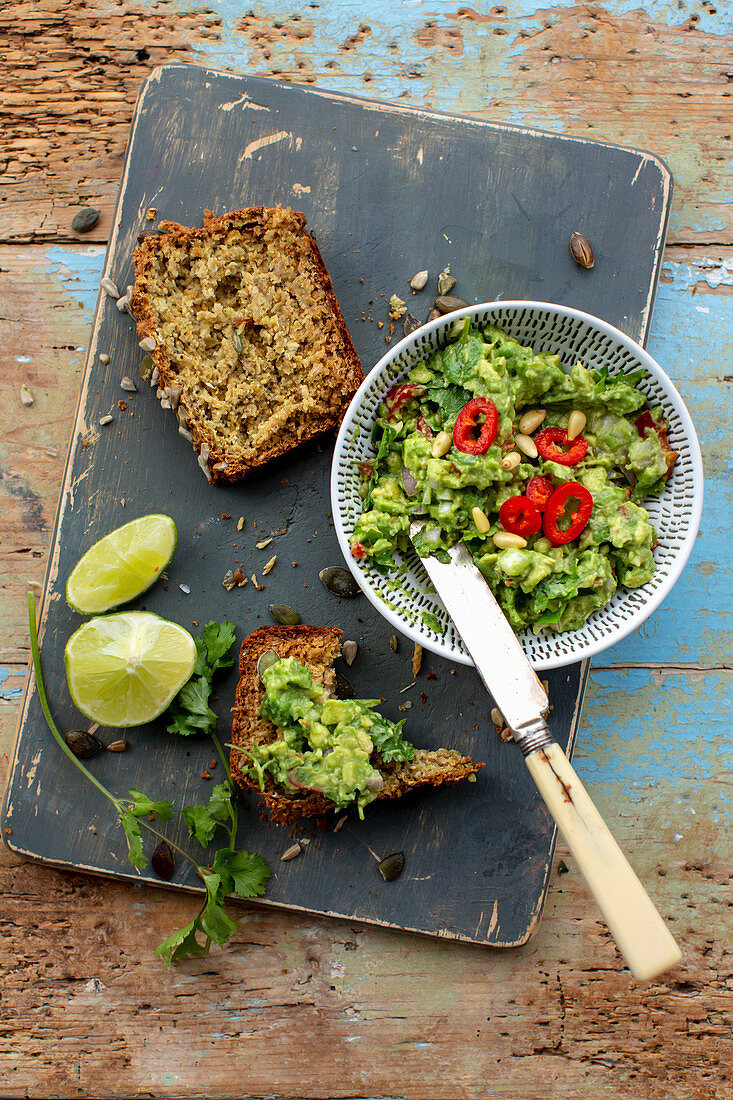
column 124, row 669
column 121, row 565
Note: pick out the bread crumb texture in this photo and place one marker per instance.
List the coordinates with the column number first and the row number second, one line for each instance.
column 247, row 324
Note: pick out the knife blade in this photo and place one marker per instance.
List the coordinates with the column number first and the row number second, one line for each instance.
column 641, row 934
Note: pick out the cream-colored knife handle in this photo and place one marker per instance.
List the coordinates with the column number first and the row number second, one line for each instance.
column 641, row 934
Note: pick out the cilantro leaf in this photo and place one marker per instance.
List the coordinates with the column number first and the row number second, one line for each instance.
column 134, row 834
column 213, row 920
column 142, row 806
column 180, row 945
column 242, row 873
column 191, row 712
column 388, row 741
column 214, row 644
column 202, row 821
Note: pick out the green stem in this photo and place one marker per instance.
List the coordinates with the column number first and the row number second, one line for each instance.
column 118, row 803
column 220, row 750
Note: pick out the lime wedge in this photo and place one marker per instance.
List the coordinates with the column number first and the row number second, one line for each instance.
column 121, row 565
column 124, row 669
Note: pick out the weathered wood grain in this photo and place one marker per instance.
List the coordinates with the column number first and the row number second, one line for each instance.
column 606, row 72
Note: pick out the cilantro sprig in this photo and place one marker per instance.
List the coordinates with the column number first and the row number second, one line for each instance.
column 232, row 872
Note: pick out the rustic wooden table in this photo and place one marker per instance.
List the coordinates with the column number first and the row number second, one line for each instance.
column 299, row 1007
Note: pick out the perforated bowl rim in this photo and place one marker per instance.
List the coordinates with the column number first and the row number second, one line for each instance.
column 628, row 609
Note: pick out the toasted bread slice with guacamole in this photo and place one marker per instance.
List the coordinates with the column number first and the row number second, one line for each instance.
column 317, row 649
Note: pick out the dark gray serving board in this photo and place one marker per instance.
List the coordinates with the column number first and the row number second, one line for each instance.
column 387, row 191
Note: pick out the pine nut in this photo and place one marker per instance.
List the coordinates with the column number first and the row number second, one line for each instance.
column 482, row 521
column 531, row 421
column 441, row 444
column 511, row 461
column 505, row 540
column 526, row 445
column 576, row 423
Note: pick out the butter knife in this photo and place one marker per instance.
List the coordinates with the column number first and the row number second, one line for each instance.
column 642, row 936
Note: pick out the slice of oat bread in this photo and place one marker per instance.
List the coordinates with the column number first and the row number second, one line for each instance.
column 317, row 648
column 251, row 349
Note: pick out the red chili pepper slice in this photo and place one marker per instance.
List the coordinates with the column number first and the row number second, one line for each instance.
column 358, row 551
column 539, row 490
column 423, row 426
column 557, row 508
column 399, row 395
column 520, row 516
column 467, row 422
column 550, row 440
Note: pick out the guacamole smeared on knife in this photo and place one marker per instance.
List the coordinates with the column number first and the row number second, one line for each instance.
column 542, row 473
column 331, row 746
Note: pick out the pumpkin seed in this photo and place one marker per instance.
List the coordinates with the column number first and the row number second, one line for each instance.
column 446, row 282
column 339, row 581
column 419, row 280
column 85, row 219
column 449, row 303
column 163, row 861
column 149, row 343
column 83, row 744
column 433, row 315
column 284, row 614
column 392, row 866
column 109, row 287
column 104, row 358
column 267, row 660
column 582, row 250
column 236, row 339
column 344, row 690
column 348, row 652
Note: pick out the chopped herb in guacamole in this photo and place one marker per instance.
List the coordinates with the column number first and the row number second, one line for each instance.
column 332, row 746
column 426, row 465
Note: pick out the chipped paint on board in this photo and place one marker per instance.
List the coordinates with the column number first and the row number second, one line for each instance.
column 263, row 142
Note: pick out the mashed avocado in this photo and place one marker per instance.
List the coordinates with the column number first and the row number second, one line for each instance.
column 540, row 584
column 332, row 746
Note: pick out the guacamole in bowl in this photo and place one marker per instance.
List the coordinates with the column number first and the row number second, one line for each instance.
column 551, row 444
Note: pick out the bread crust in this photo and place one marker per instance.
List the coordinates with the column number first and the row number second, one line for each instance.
column 346, row 364
column 317, row 648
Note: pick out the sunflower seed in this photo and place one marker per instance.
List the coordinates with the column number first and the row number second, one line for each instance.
column 348, row 652
column 83, row 744
column 497, row 717
column 228, row 580
column 149, row 343
column 204, row 466
column 122, row 303
column 419, row 280
column 165, row 403
column 339, row 581
column 26, row 397
column 340, row 823
column 185, row 433
column 283, row 614
column 117, row 746
column 85, row 219
column 416, row 659
column 153, row 375
column 446, row 282
column 344, row 689
column 104, row 358
column 266, row 568
column 239, row 578
column 263, row 544
column 240, row 523
column 392, row 866
column 267, row 660
column 128, row 384
column 106, row 419
column 291, row 852
column 163, row 861
column 185, row 589
column 581, row 250
column 449, row 303
column 394, row 643
column 109, row 287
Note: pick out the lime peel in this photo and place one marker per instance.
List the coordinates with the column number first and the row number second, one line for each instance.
column 122, row 565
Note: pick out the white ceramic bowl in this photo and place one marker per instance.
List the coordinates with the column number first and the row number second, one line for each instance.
column 401, row 596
